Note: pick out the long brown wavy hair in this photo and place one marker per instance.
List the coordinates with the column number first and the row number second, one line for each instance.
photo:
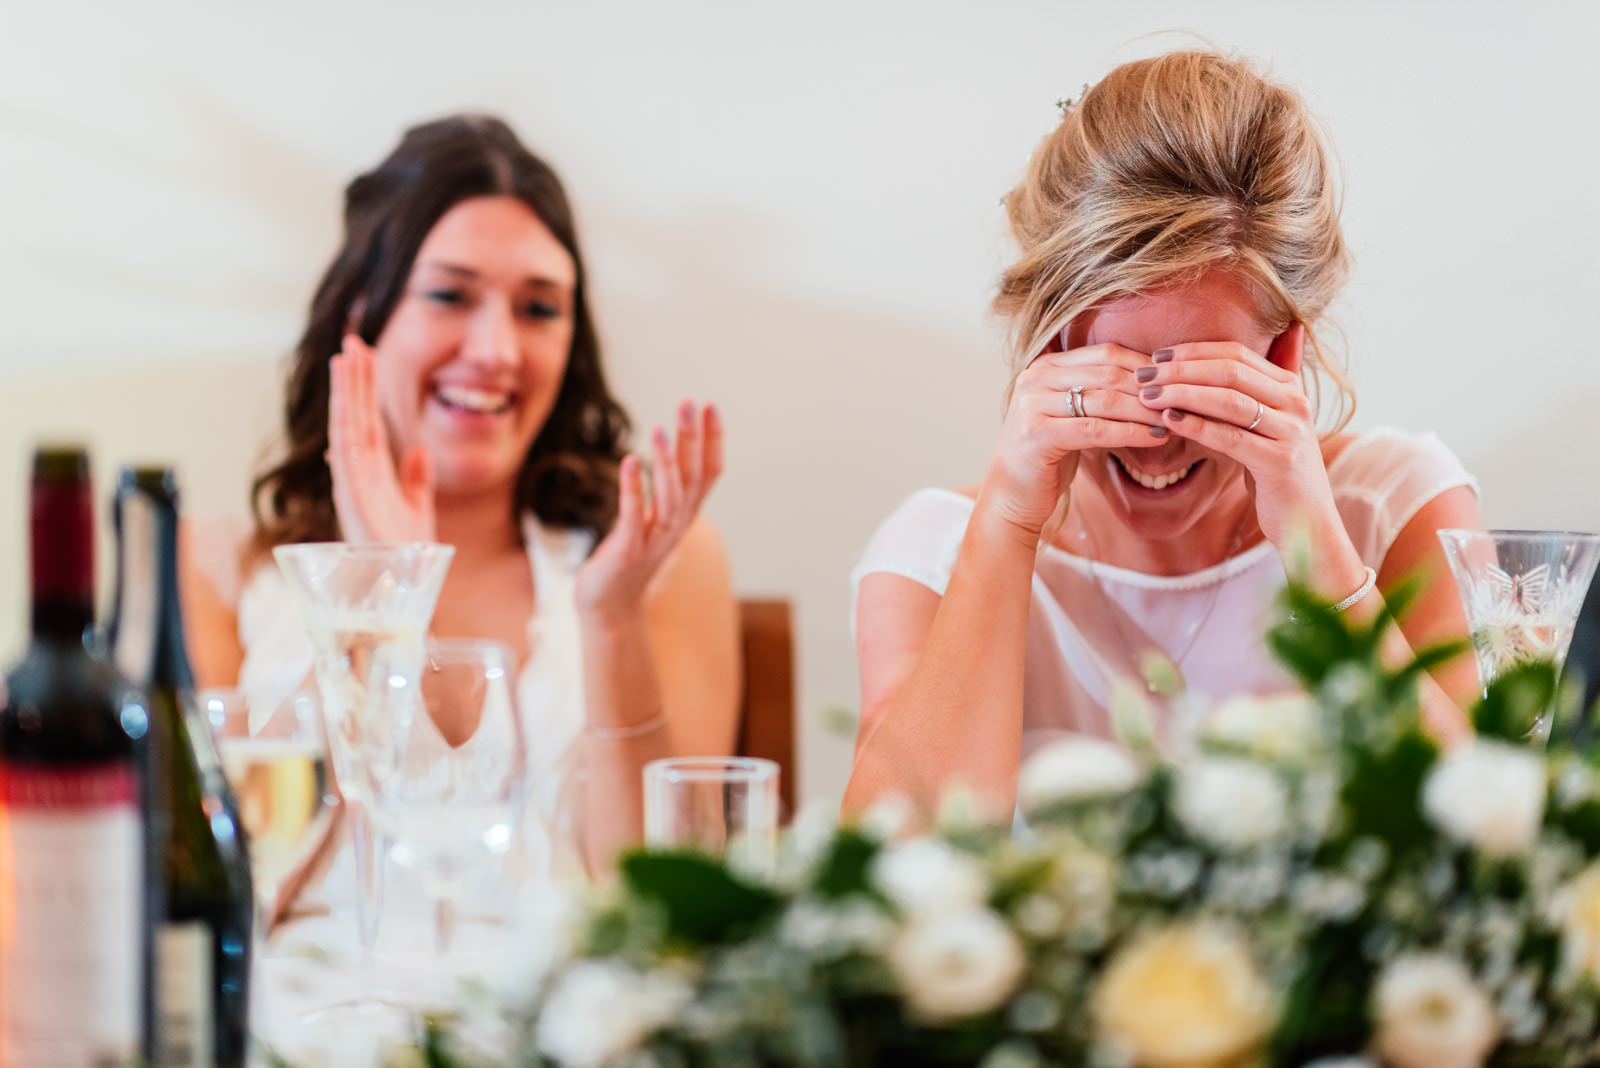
column 569, row 476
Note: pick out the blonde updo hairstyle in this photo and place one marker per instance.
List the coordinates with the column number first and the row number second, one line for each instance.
column 1166, row 169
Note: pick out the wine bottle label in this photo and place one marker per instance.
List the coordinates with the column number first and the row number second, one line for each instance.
column 71, row 901
column 184, row 1035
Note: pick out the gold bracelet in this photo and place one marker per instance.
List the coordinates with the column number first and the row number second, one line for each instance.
column 622, row 734
column 1365, row 588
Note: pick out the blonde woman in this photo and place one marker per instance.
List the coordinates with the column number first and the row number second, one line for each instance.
column 1160, row 464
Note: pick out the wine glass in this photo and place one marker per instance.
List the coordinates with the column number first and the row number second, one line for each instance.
column 366, row 609
column 726, row 806
column 1522, row 590
column 445, row 772
column 275, row 759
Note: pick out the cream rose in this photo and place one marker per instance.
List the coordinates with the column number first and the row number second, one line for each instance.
column 1581, row 921
column 957, row 964
column 1186, row 996
column 1431, row 1013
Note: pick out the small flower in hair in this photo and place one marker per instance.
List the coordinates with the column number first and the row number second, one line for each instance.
column 1066, row 104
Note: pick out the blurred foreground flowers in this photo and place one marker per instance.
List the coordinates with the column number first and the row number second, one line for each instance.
column 1314, row 882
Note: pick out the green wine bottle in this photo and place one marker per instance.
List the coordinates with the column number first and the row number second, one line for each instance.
column 74, row 879
column 203, row 927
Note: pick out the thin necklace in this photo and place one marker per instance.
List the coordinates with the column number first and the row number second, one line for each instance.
column 1160, row 671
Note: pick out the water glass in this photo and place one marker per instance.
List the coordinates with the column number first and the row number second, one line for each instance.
column 726, row 806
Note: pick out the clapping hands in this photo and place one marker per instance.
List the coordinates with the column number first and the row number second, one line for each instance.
column 613, row 582
column 375, row 499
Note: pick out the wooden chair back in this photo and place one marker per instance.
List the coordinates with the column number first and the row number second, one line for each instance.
column 766, row 706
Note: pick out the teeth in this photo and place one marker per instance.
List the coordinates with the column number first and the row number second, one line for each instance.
column 481, row 401
column 1155, row 482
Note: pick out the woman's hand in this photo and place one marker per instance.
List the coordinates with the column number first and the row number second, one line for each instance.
column 612, row 583
column 1254, row 410
column 374, row 500
column 1043, row 435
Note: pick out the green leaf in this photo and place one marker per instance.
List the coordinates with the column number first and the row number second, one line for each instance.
column 1513, row 701
column 1582, row 824
column 702, row 900
column 1426, row 660
column 1325, row 1008
column 845, row 868
column 1383, row 793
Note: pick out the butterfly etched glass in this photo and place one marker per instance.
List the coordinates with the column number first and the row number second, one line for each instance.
column 1522, row 590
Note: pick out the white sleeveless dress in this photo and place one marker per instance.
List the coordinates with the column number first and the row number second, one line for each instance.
column 549, row 686
column 1080, row 641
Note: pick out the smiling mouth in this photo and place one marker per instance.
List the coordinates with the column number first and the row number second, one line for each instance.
column 474, row 401
column 1155, row 482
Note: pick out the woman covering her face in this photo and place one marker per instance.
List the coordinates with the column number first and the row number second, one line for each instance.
column 448, row 387
column 1159, row 470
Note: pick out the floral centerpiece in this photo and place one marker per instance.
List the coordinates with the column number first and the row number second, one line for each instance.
column 1313, row 881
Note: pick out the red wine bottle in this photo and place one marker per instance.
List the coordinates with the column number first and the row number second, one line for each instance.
column 73, row 878
column 203, row 923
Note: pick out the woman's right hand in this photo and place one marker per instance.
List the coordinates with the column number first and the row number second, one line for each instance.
column 1041, row 438
column 375, row 501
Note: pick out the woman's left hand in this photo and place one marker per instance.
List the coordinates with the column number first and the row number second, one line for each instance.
column 1245, row 406
column 612, row 583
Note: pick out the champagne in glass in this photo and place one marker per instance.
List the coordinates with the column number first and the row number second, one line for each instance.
column 366, row 608
column 278, row 767
column 1521, row 590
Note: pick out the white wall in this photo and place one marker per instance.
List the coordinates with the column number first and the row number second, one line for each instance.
column 792, row 210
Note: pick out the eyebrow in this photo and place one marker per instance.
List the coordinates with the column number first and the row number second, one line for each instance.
column 537, row 281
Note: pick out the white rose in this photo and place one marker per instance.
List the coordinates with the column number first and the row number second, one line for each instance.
column 544, row 936
column 1187, row 996
column 353, row 1047
column 889, row 817
column 1280, row 727
column 956, row 964
column 924, row 876
column 602, row 1009
column 833, row 929
column 1488, row 794
column 809, row 837
column 1431, row 1014
column 1076, row 768
column 1229, row 802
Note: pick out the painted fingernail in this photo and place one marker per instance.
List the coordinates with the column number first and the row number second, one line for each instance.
column 1150, row 392
column 686, row 411
column 1158, row 431
column 661, row 436
column 1145, row 374
column 1161, row 355
column 1175, row 414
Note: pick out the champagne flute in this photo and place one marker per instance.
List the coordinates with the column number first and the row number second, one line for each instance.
column 726, row 806
column 275, row 759
column 446, row 772
column 1521, row 590
column 366, row 608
